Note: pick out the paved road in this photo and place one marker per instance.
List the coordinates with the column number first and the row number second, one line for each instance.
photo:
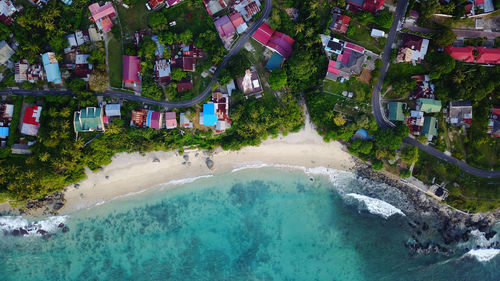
column 383, row 122
column 462, row 165
column 234, row 50
column 170, row 104
column 386, row 57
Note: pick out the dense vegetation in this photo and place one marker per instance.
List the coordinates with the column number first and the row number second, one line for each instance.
column 59, row 159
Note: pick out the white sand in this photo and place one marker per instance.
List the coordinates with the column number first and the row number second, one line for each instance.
column 130, row 173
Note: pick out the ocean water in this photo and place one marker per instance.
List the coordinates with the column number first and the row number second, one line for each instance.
column 253, row 224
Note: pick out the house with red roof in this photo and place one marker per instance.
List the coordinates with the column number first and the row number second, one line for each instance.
column 221, row 106
column 339, row 23
column 274, row 40
column 238, row 22
column 170, row 120
column 226, row 30
column 139, row 118
column 184, row 85
column 155, row 4
column 332, row 72
column 189, row 64
column 102, row 15
column 154, row 120
column 365, row 5
column 31, row 120
column 345, row 58
column 461, row 53
column 488, row 55
column 131, row 69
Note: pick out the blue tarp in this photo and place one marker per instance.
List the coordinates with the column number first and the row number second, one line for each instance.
column 148, row 120
column 4, row 132
column 275, row 61
column 362, row 134
column 209, row 118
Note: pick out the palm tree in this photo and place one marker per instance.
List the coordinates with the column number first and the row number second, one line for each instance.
column 300, row 27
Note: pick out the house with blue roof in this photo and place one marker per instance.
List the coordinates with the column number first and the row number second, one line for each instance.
column 51, row 67
column 67, row 2
column 4, row 132
column 208, row 117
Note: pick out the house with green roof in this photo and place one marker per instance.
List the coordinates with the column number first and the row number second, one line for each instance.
column 396, row 111
column 88, row 120
column 430, row 127
column 428, row 105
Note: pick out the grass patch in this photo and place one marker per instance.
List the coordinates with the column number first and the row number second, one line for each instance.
column 361, row 36
column 362, row 91
column 4, row 196
column 460, row 23
column 134, row 18
column 115, row 63
column 189, row 15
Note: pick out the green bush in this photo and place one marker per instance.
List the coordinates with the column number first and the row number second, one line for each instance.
column 405, row 173
column 377, row 164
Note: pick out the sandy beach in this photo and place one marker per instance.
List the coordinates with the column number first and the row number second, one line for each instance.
column 129, row 173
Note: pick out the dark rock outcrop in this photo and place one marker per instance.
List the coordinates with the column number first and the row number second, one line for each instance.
column 47, row 206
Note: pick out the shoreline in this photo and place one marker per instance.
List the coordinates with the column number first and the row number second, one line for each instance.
column 135, row 173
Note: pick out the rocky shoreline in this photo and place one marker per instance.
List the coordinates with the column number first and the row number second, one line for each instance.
column 453, row 226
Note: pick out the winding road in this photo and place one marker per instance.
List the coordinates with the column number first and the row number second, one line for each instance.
column 383, row 122
column 169, row 104
column 378, row 112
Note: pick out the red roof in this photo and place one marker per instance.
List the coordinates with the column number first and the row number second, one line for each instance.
column 275, row 40
column 372, row 5
column 488, row 55
column 341, row 23
column 184, row 85
column 236, row 19
column 461, row 53
column 32, row 115
column 188, row 64
column 106, row 24
column 99, row 12
column 479, row 2
column 154, row 3
column 468, row 9
column 263, row 33
column 331, row 67
column 354, row 47
column 131, row 69
column 496, row 110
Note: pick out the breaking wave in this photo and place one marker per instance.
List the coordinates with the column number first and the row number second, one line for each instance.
column 483, row 255
column 11, row 224
column 376, row 206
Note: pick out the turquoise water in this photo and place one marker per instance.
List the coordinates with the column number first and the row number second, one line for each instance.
column 256, row 224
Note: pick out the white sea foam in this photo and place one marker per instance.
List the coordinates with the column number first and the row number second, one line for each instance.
column 333, row 174
column 186, row 180
column 483, row 255
column 478, row 238
column 11, row 223
column 377, row 206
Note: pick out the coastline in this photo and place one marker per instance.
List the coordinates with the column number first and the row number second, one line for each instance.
column 134, row 173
